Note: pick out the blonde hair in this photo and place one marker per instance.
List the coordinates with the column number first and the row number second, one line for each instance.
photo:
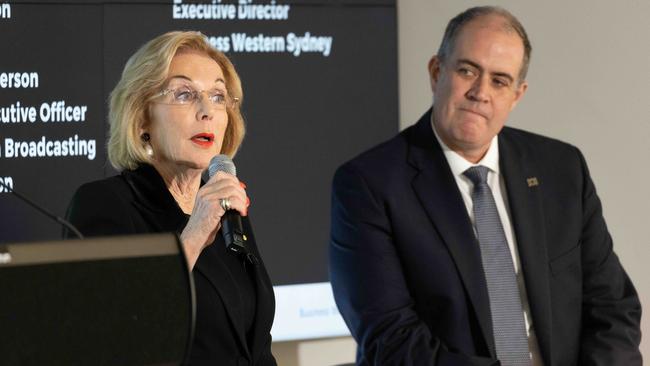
column 144, row 75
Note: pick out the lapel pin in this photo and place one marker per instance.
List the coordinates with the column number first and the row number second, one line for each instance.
column 532, row 182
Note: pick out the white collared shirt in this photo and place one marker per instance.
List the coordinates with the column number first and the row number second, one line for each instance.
column 497, row 184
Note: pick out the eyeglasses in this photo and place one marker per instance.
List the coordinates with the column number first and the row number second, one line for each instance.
column 184, row 95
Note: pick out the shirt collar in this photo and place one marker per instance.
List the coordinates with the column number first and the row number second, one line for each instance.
column 459, row 164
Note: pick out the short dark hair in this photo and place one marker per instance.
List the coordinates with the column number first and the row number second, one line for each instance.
column 511, row 22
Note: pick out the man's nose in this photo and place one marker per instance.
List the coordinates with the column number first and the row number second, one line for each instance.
column 479, row 90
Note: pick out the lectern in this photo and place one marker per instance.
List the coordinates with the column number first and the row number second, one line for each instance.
column 121, row 300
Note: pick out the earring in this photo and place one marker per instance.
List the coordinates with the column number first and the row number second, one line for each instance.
column 147, row 146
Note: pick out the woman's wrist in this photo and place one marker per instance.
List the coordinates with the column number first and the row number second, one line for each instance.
column 192, row 247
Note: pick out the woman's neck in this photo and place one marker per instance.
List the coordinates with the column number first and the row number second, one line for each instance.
column 183, row 184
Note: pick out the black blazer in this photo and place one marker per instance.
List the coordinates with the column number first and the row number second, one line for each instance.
column 406, row 268
column 139, row 202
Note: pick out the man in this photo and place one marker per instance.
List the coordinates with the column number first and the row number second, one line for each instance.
column 464, row 242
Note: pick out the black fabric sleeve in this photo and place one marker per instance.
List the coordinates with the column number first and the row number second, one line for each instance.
column 611, row 310
column 99, row 209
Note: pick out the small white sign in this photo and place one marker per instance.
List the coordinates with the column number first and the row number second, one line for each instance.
column 306, row 311
column 5, row 258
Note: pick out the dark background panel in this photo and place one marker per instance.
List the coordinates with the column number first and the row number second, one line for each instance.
column 63, row 44
column 305, row 115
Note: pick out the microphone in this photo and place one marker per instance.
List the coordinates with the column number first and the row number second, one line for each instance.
column 45, row 212
column 231, row 225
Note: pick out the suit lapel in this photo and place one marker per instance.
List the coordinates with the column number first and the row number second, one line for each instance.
column 161, row 211
column 214, row 269
column 524, row 197
column 437, row 190
column 265, row 298
column 263, row 317
column 153, row 200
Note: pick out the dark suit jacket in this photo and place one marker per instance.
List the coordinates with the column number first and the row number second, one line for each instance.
column 139, row 202
column 406, row 268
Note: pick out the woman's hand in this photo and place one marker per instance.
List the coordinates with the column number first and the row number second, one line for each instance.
column 205, row 221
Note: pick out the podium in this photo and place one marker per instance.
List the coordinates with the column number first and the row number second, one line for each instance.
column 120, row 300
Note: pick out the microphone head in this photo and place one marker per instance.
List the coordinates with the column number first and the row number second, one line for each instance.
column 222, row 163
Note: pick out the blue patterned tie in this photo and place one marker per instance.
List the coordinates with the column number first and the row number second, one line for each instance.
column 505, row 303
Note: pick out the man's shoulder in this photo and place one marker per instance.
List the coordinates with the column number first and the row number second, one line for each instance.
column 527, row 143
column 386, row 155
column 394, row 151
column 548, row 158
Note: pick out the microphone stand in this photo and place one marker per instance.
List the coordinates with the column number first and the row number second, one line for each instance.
column 45, row 212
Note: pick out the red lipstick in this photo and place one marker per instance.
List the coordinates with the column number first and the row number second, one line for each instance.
column 204, row 140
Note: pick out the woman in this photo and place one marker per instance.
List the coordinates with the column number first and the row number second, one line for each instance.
column 175, row 107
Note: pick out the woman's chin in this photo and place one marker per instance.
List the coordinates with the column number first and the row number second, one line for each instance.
column 184, row 165
column 200, row 162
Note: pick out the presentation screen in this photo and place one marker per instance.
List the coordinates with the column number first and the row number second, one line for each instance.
column 320, row 86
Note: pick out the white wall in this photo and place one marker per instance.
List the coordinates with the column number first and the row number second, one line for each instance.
column 589, row 85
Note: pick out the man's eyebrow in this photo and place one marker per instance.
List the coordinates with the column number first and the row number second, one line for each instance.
column 477, row 66
column 470, row 62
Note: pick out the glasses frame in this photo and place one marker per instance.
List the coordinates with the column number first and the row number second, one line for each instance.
column 230, row 102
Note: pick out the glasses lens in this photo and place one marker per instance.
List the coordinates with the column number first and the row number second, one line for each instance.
column 183, row 95
column 218, row 98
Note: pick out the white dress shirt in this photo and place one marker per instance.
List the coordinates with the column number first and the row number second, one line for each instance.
column 495, row 180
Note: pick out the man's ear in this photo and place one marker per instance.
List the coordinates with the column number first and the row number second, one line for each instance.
column 434, row 71
column 519, row 93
